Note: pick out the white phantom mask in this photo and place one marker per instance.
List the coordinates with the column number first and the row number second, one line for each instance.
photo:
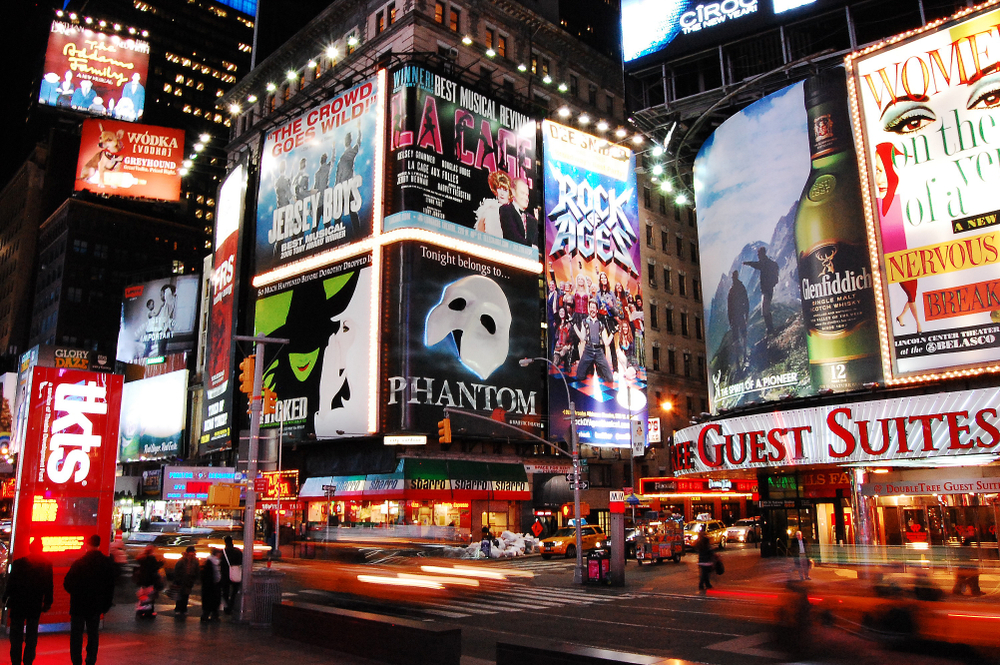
column 475, row 312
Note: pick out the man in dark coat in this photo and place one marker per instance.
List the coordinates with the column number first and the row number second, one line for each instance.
column 28, row 594
column 211, row 589
column 516, row 223
column 231, row 558
column 91, row 586
column 769, row 275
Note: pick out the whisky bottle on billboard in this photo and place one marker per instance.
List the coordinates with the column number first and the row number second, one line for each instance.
column 835, row 275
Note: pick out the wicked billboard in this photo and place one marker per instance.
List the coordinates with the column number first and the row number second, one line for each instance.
column 316, row 179
column 594, row 298
column 321, row 376
column 454, row 330
column 461, row 164
column 158, row 318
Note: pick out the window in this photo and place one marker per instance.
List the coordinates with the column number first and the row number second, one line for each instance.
column 600, row 475
column 690, row 215
column 694, row 253
column 574, row 85
column 609, row 104
column 539, row 65
column 696, row 289
column 501, row 47
column 687, row 372
column 663, row 204
column 664, row 240
column 701, row 373
column 491, row 37
column 671, row 361
column 486, row 75
column 439, row 12
column 455, row 19
column 100, row 251
column 74, row 294
column 697, row 327
column 541, row 101
column 80, row 246
column 649, row 236
column 680, row 247
column 651, row 272
column 380, row 22
column 684, row 324
column 669, row 320
column 682, row 284
column 656, row 359
column 677, row 213
column 654, row 316
column 592, row 94
column 667, row 282
column 390, row 10
column 646, row 196
column 690, row 405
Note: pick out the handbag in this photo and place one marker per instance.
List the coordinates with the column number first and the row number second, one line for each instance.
column 235, row 573
column 720, row 568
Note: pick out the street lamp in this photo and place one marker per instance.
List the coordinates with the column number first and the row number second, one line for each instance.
column 575, row 447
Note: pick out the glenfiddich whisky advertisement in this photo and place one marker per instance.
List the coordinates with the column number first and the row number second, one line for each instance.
column 928, row 134
column 789, row 308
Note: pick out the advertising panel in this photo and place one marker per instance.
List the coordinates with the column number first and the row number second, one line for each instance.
column 790, row 307
column 139, row 161
column 593, row 274
column 66, row 470
column 191, row 483
column 461, row 164
column 317, row 178
column 159, row 317
column 153, row 417
column 941, row 429
column 321, row 376
column 927, row 112
column 216, row 426
column 455, row 328
column 92, row 72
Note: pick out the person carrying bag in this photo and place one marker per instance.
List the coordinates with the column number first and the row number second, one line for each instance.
column 232, row 574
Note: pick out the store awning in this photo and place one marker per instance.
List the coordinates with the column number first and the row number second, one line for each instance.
column 428, row 479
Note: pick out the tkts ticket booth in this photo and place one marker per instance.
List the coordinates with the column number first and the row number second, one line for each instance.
column 66, row 470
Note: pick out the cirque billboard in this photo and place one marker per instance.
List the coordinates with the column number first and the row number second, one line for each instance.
column 927, row 108
column 92, row 72
column 594, row 288
column 216, row 426
column 321, row 376
column 153, row 417
column 789, row 301
column 455, row 328
column 124, row 159
column 461, row 164
column 66, row 470
column 159, row 317
column 317, row 177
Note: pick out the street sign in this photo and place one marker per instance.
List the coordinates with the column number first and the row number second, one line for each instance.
column 626, row 491
column 584, row 485
column 329, row 489
column 537, row 528
column 260, row 484
column 570, row 477
column 616, row 502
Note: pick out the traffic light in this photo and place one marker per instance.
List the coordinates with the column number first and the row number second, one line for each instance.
column 444, row 431
column 246, row 375
column 270, row 401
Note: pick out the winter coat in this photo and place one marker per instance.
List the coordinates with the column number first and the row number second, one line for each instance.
column 235, row 559
column 148, row 572
column 91, row 584
column 29, row 586
column 211, row 575
column 186, row 572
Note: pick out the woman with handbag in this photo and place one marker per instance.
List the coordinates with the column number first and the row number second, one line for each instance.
column 706, row 563
column 232, row 574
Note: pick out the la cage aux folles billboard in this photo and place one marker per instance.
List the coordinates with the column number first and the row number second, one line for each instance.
column 790, row 306
column 94, row 72
column 594, row 287
column 455, row 327
column 928, row 114
column 321, row 376
column 461, row 164
column 159, row 317
column 125, row 159
column 317, row 179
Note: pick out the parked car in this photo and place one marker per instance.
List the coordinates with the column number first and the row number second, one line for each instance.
column 563, row 541
column 714, row 530
column 746, row 530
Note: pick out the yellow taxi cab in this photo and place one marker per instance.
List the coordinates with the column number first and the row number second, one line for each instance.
column 170, row 546
column 563, row 541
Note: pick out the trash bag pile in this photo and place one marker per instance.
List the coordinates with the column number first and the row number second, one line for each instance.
column 507, row 546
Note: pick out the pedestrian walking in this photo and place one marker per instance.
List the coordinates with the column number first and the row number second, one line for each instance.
column 91, row 586
column 185, row 576
column 231, row 573
column 706, row 562
column 211, row 588
column 149, row 581
column 800, row 550
column 27, row 595
column 967, row 567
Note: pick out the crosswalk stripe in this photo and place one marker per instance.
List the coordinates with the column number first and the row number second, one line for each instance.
column 443, row 613
column 468, row 606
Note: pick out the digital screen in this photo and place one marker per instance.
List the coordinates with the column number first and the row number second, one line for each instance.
column 153, row 417
column 125, row 159
column 279, row 484
column 65, row 511
column 159, row 318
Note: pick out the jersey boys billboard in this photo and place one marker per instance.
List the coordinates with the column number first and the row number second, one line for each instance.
column 123, row 159
column 316, row 179
column 928, row 111
column 461, row 164
column 594, row 292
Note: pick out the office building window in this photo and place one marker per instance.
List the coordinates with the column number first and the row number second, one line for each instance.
column 656, row 359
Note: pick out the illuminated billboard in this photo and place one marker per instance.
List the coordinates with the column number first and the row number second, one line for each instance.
column 461, row 164
column 789, row 301
column 317, row 179
column 216, row 425
column 159, row 317
column 96, row 73
column 322, row 375
column 594, row 308
column 455, row 328
column 927, row 108
column 191, row 483
column 125, row 159
column 153, row 417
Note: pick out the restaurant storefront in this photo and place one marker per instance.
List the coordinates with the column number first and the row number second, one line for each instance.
column 718, row 498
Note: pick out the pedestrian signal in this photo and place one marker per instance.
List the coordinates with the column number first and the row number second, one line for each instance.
column 444, row 431
column 270, row 401
column 247, row 375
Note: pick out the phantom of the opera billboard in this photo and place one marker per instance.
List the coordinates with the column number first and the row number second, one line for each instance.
column 66, row 470
column 158, row 318
column 153, row 417
column 455, row 327
column 321, row 376
column 216, row 425
column 461, row 164
column 594, row 288
column 317, row 179
column 92, row 72
column 125, row 159
column 928, row 114
column 789, row 302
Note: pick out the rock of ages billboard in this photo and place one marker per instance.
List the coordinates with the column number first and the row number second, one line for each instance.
column 594, row 291
column 316, row 179
column 321, row 376
column 158, row 318
column 125, row 159
column 461, row 164
column 455, row 327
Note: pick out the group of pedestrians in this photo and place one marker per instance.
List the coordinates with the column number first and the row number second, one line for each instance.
column 90, row 583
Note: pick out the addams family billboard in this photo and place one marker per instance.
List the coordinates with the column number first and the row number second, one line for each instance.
column 594, row 288
column 316, row 179
column 455, row 328
column 462, row 164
